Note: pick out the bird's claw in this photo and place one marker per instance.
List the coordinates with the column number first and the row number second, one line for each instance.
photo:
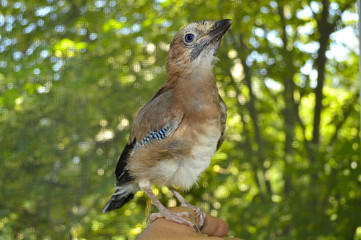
column 177, row 217
column 199, row 214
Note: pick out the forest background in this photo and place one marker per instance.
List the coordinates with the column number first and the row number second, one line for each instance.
column 74, row 72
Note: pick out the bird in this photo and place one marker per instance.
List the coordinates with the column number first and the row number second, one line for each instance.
column 174, row 136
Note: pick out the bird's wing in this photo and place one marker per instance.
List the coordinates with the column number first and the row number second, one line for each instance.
column 156, row 120
column 223, row 120
column 121, row 174
column 158, row 113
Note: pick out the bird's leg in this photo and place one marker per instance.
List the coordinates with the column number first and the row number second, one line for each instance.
column 200, row 214
column 163, row 211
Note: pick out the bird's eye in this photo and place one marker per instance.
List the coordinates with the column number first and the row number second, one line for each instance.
column 189, row 37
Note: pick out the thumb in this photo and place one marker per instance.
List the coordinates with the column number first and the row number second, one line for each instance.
column 214, row 226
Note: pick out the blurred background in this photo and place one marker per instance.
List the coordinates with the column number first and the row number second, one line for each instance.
column 74, row 72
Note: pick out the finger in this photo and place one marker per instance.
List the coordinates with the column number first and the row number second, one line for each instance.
column 215, row 226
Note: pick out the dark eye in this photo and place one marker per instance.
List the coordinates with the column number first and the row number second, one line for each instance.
column 189, row 37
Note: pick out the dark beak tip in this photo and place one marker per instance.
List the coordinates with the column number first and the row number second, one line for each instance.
column 224, row 22
column 229, row 21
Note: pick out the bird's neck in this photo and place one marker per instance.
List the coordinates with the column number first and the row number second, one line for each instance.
column 196, row 91
column 199, row 80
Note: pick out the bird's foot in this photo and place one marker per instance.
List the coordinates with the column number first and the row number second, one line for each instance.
column 177, row 217
column 199, row 213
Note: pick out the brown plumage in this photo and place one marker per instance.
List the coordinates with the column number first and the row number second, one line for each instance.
column 177, row 132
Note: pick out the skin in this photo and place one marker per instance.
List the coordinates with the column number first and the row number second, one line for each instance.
column 213, row 229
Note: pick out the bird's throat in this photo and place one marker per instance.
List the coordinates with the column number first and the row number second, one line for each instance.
column 199, row 92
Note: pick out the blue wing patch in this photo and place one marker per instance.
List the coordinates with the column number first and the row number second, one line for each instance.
column 155, row 135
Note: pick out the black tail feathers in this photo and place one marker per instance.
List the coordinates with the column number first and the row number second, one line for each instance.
column 122, row 195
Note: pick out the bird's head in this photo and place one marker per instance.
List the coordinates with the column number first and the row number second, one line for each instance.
column 195, row 46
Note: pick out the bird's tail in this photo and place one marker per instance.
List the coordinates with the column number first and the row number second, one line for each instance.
column 122, row 195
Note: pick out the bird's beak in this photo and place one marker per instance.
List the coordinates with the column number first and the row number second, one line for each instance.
column 213, row 36
column 217, row 33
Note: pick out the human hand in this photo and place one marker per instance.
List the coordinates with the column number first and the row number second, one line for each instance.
column 213, row 229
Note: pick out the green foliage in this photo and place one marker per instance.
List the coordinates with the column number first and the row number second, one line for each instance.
column 73, row 73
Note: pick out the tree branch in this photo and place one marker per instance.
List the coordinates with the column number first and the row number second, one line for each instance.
column 325, row 30
column 290, row 104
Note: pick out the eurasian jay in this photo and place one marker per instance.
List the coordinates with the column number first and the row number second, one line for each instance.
column 175, row 135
